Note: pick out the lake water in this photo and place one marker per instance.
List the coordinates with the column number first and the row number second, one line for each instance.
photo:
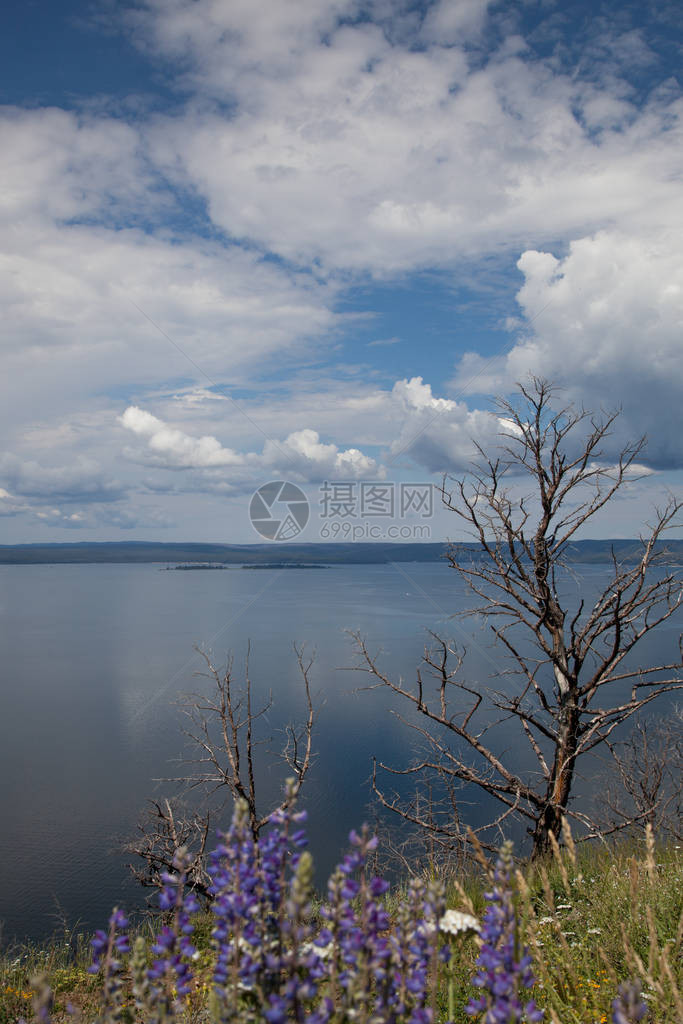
column 93, row 657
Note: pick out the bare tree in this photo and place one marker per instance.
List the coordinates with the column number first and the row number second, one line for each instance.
column 166, row 828
column 645, row 783
column 431, row 839
column 573, row 680
column 224, row 735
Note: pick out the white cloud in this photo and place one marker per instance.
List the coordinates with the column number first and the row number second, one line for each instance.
column 84, row 243
column 74, row 288
column 509, row 426
column 414, row 394
column 62, row 166
column 196, row 395
column 449, row 23
column 77, row 496
column 435, row 434
column 605, row 322
column 358, row 141
column 438, row 433
column 175, row 448
column 301, row 454
column 343, row 145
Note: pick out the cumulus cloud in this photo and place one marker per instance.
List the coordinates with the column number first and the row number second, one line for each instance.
column 605, row 322
column 435, row 434
column 131, row 518
column 636, row 471
column 438, row 433
column 175, row 448
column 92, row 277
column 315, row 146
column 350, row 145
column 301, row 454
column 65, row 166
column 56, row 516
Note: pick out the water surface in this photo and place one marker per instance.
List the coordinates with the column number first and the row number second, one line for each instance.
column 93, row 657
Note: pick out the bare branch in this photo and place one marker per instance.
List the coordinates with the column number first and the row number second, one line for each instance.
column 224, row 735
column 572, row 668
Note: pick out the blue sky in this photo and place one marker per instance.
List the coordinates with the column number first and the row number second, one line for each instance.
column 245, row 241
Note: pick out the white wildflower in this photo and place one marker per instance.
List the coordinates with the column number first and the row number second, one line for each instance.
column 455, row 922
column 546, row 920
column 595, row 931
column 564, row 906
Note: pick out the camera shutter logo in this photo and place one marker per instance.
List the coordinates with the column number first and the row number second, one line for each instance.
column 279, row 510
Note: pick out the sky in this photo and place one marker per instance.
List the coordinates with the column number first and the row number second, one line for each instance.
column 245, row 241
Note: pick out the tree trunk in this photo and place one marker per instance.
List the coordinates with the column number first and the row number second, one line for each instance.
column 560, row 784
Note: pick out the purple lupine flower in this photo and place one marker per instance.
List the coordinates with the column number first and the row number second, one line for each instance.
column 383, row 970
column 239, row 890
column 269, row 962
column 173, row 947
column 629, row 1006
column 105, row 943
column 503, row 968
column 262, row 930
column 415, row 949
column 106, row 948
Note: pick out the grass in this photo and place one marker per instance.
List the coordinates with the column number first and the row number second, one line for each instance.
column 591, row 918
column 63, row 961
column 596, row 918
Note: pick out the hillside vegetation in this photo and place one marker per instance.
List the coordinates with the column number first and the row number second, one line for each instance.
column 590, row 919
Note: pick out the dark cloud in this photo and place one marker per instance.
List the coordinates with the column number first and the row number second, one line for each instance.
column 82, row 482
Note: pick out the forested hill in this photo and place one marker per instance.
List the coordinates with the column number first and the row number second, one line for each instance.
column 586, row 551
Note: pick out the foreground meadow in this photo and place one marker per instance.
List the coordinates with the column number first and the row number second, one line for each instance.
column 550, row 941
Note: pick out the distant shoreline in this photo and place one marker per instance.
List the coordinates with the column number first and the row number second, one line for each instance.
column 236, row 568
column 308, row 555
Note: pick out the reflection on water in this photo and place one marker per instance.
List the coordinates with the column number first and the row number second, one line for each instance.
column 93, row 657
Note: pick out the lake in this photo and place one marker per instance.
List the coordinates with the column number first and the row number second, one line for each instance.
column 93, row 657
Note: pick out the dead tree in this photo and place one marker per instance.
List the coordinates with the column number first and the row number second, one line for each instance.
column 573, row 680
column 166, row 828
column 644, row 784
column 432, row 838
column 224, row 736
